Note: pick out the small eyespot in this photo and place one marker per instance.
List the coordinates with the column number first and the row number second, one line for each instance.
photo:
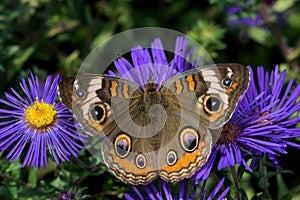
column 230, row 74
column 140, row 161
column 227, row 82
column 171, row 158
column 80, row 93
column 212, row 104
column 122, row 145
column 189, row 139
column 98, row 112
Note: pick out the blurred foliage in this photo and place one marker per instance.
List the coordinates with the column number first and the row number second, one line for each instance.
column 49, row 37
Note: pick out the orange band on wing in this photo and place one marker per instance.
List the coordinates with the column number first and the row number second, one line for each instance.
column 234, row 85
column 191, row 82
column 125, row 91
column 179, row 87
column 185, row 160
column 113, row 88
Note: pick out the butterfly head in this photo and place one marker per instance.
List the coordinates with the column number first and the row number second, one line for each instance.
column 151, row 87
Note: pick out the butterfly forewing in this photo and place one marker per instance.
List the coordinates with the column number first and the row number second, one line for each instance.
column 211, row 92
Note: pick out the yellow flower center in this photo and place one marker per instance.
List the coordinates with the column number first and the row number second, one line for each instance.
column 40, row 114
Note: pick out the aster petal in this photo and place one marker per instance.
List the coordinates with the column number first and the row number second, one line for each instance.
column 224, row 193
column 125, row 69
column 128, row 197
column 254, row 143
column 277, row 87
column 183, row 189
column 193, row 64
column 205, row 170
column 137, row 192
column 15, row 152
column 216, row 189
column 161, row 71
column 141, row 59
column 287, row 90
column 26, row 90
column 292, row 144
column 13, row 101
column 11, row 131
column 166, row 190
column 180, row 52
column 156, row 191
column 158, row 54
column 290, row 122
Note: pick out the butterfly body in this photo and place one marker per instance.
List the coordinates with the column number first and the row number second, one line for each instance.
column 161, row 129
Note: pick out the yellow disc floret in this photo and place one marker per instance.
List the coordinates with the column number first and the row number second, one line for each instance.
column 40, row 114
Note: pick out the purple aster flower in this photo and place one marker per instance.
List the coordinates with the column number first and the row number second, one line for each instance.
column 261, row 124
column 165, row 191
column 34, row 122
column 155, row 64
column 72, row 194
column 236, row 17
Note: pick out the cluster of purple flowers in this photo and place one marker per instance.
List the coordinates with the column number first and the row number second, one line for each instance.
column 251, row 14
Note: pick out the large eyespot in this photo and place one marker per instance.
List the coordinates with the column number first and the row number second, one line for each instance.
column 80, row 93
column 227, row 82
column 122, row 145
column 212, row 104
column 189, row 139
column 98, row 112
column 172, row 158
column 140, row 161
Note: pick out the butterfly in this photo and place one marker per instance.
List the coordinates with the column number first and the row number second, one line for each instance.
column 154, row 130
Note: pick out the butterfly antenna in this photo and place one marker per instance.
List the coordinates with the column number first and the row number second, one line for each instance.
column 176, row 54
column 150, row 79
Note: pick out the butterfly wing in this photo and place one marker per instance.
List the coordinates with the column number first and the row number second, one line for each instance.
column 199, row 101
column 113, row 109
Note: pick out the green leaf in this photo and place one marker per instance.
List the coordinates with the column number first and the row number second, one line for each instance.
column 14, row 192
column 14, row 167
column 293, row 20
column 58, row 183
column 62, row 26
column 294, row 53
column 4, row 191
column 283, row 5
column 257, row 196
column 23, row 57
column 33, row 176
column 260, row 35
column 282, row 187
column 209, row 35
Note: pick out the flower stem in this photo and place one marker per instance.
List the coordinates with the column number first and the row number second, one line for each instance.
column 236, row 182
column 264, row 172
